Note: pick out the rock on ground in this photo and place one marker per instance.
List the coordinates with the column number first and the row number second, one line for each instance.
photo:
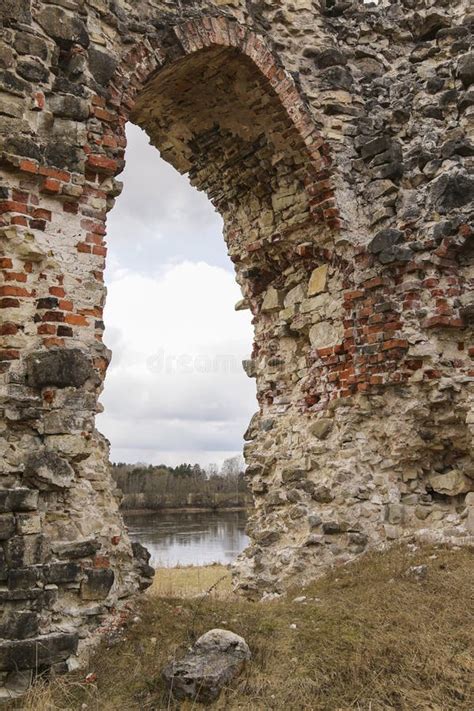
column 213, row 662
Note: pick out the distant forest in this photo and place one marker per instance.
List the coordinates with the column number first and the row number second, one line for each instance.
column 147, row 486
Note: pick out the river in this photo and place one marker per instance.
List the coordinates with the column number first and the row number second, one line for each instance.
column 185, row 538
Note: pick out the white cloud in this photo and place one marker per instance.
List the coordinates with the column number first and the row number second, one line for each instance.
column 175, row 390
column 160, row 218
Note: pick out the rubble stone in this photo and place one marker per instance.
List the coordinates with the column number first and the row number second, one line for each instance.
column 215, row 660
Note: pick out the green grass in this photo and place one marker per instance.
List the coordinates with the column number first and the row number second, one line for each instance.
column 370, row 636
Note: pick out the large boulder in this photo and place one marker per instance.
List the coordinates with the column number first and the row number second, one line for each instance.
column 213, row 662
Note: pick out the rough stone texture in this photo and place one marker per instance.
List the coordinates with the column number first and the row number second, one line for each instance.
column 213, row 662
column 335, row 138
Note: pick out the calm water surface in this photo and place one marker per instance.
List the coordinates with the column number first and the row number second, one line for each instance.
column 182, row 538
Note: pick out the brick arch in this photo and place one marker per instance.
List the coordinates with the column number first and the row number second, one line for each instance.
column 148, row 57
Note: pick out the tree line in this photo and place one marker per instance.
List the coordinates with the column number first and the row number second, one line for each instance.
column 148, row 486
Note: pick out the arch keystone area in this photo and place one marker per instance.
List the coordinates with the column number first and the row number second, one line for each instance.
column 343, row 179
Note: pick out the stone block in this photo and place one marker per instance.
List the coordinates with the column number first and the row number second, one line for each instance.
column 452, row 191
column 395, row 513
column 216, row 658
column 64, row 27
column 16, row 684
column 60, row 368
column 19, row 625
column 36, row 598
column 18, row 10
column 7, row 526
column 69, row 106
column 318, row 280
column 321, row 428
column 466, row 69
column 294, row 296
column 28, row 523
column 385, row 239
column 452, row 483
column 97, row 584
column 18, row 500
column 102, row 65
column 292, row 474
column 333, row 528
column 23, row 551
column 3, row 565
column 61, row 573
column 76, row 549
column 326, row 334
column 47, row 470
column 23, row 578
column 322, row 494
column 273, row 300
column 142, row 558
column 38, row 652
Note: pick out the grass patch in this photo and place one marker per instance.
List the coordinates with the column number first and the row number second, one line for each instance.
column 191, row 581
column 370, row 636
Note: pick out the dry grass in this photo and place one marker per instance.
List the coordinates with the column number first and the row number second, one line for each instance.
column 370, row 637
column 191, row 581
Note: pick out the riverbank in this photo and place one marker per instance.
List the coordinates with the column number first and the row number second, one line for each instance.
column 394, row 630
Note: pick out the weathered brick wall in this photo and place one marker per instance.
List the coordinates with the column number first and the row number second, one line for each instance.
column 334, row 139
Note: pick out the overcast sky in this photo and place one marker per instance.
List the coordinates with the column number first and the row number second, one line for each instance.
column 175, row 390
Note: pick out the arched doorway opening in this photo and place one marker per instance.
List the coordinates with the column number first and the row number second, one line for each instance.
column 218, row 107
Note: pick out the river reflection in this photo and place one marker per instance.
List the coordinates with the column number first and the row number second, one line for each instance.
column 182, row 538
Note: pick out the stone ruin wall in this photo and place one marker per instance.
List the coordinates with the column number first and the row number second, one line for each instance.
column 335, row 138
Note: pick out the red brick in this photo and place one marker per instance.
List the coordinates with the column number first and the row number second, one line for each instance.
column 51, row 185
column 12, row 206
column 76, row 320
column 71, row 207
column 324, row 352
column 9, row 303
column 9, row 354
column 57, row 291
column 13, row 291
column 99, row 251
column 62, row 175
column 38, row 225
column 103, row 114
column 101, row 561
column 41, row 214
column 8, row 329
column 29, row 166
column 353, row 295
column 64, row 331
column 66, row 305
column 102, row 164
column 46, row 328
column 5, row 263
column 443, row 321
column 55, row 316
column 19, row 196
column 395, row 343
column 38, row 101
column 16, row 276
